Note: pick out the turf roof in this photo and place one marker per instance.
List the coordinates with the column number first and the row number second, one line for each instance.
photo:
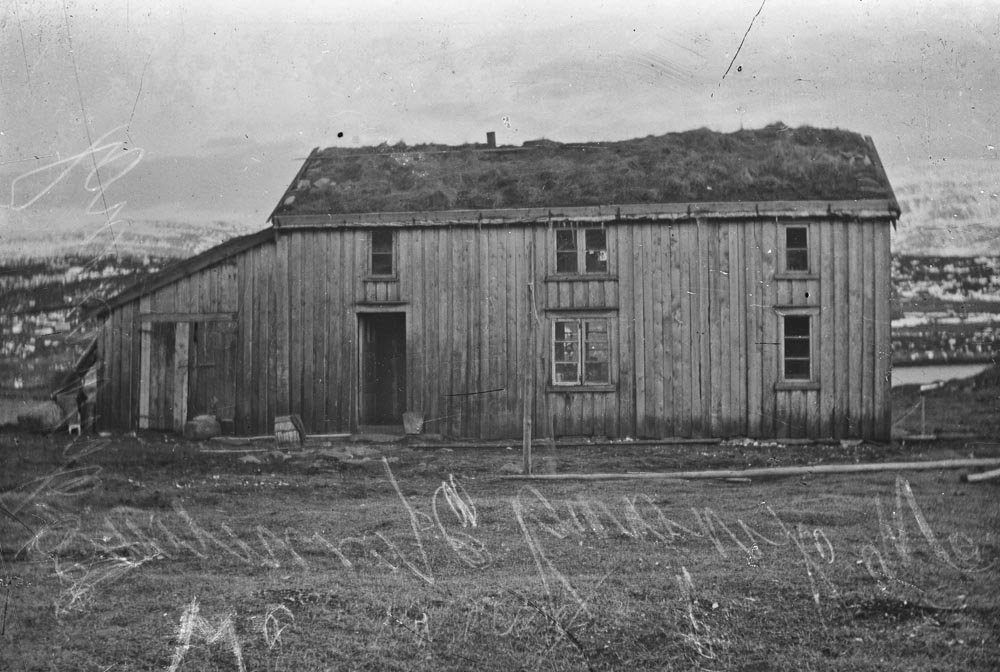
column 775, row 163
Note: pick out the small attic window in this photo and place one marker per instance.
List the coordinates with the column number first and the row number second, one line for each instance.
column 382, row 252
column 796, row 249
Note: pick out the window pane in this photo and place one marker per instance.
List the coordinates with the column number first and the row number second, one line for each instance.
column 566, row 373
column 597, row 251
column 797, row 260
column 596, row 372
column 597, row 331
column 597, row 352
column 568, row 331
column 381, row 264
column 797, row 369
column 596, row 239
column 795, row 237
column 797, row 325
column 566, row 262
column 565, row 352
column 597, row 261
column 797, row 347
column 566, row 240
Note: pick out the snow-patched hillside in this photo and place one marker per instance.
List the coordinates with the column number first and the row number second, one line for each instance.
column 949, row 208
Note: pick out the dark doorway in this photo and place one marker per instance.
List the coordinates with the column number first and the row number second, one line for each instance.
column 212, row 380
column 383, row 368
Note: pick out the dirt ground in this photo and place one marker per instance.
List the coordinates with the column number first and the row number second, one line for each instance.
column 149, row 552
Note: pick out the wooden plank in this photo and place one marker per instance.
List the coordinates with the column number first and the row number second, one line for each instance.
column 706, row 362
column 273, row 297
column 319, row 328
column 243, row 284
column 280, row 330
column 867, row 329
column 181, row 364
column 782, row 414
column 475, row 260
column 156, row 368
column 204, row 283
column 855, row 351
column 753, row 292
column 823, row 239
column 681, row 315
column 641, row 300
column 307, row 300
column 769, row 331
column 717, row 331
column 628, row 343
column 258, row 351
column 883, row 340
column 508, row 307
column 454, row 335
column 113, row 368
column 841, row 330
column 738, row 323
column 484, row 308
column 227, row 316
column 297, row 268
column 661, row 303
column 334, row 316
column 145, row 342
column 130, row 365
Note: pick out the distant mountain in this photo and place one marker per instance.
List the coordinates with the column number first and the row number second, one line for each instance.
column 26, row 238
column 949, row 208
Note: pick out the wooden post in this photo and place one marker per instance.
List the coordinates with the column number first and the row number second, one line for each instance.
column 923, row 431
column 528, row 396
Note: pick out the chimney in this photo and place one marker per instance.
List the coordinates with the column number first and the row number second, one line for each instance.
column 491, row 140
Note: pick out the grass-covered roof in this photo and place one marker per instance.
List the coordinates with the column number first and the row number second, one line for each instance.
column 775, row 163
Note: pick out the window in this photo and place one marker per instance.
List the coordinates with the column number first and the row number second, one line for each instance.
column 581, row 352
column 382, row 252
column 796, row 249
column 581, row 250
column 797, row 348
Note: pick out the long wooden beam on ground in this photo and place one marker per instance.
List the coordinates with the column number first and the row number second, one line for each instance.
column 983, row 476
column 772, row 471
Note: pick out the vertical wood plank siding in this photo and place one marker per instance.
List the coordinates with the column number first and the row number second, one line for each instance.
column 692, row 307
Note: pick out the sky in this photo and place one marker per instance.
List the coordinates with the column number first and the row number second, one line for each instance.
column 203, row 111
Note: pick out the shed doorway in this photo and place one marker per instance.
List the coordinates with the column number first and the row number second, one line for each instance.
column 383, row 368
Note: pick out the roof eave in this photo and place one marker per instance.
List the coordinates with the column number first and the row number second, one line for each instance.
column 182, row 269
column 859, row 208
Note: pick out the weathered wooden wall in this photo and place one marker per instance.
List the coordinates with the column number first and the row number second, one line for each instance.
column 694, row 342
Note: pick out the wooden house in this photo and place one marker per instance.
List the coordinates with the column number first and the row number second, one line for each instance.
column 695, row 284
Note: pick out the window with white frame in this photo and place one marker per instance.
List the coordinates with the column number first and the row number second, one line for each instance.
column 797, row 348
column 581, row 250
column 581, row 351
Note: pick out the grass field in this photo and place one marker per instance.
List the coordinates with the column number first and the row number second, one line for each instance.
column 149, row 553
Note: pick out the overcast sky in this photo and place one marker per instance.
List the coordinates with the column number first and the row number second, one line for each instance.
column 206, row 109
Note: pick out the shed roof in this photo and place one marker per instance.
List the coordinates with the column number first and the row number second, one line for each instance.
column 775, row 163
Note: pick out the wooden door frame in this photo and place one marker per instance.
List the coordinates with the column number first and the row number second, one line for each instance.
column 357, row 363
column 182, row 335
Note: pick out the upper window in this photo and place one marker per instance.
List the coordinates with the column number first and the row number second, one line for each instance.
column 581, row 352
column 796, row 355
column 382, row 252
column 796, row 249
column 581, row 250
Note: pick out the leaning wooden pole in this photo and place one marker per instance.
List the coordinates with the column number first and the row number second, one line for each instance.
column 778, row 471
